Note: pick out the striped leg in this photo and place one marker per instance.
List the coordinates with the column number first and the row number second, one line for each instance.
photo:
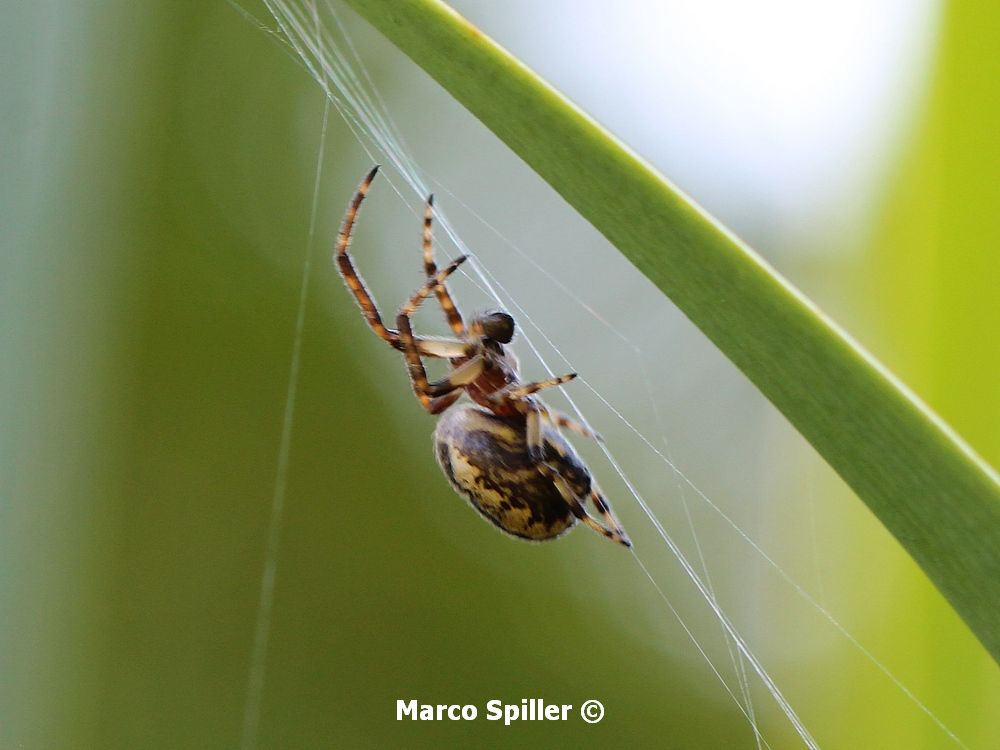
column 428, row 347
column 350, row 275
column 608, row 516
column 612, row 529
column 439, row 404
column 413, row 304
column 460, row 377
column 429, row 394
column 451, row 312
column 615, row 534
column 522, row 390
column 561, row 420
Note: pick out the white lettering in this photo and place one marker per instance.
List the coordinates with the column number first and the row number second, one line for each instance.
column 529, row 709
column 493, row 712
column 510, row 713
column 406, row 709
column 426, row 712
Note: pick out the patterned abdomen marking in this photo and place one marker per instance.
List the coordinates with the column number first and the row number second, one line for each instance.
column 485, row 457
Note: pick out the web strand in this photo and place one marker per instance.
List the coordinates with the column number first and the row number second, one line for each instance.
column 334, row 64
column 265, row 605
column 348, row 87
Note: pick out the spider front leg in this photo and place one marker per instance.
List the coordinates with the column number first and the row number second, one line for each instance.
column 444, row 349
column 451, row 312
column 434, row 397
column 350, row 275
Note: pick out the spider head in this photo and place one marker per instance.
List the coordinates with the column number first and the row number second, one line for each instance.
column 496, row 325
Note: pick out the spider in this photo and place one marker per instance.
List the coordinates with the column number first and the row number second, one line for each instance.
column 503, row 452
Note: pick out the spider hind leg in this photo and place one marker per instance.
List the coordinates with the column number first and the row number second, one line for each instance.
column 554, row 461
column 615, row 534
column 608, row 516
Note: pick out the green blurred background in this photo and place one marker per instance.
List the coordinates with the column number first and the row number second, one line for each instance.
column 157, row 176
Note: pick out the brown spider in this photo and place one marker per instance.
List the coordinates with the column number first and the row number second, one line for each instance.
column 504, row 453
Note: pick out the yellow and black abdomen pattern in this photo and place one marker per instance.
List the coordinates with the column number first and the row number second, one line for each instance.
column 485, row 457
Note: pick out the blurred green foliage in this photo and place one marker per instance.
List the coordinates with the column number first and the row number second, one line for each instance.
column 930, row 491
column 156, row 185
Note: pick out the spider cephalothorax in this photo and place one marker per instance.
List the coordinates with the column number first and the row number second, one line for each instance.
column 504, row 452
column 495, row 325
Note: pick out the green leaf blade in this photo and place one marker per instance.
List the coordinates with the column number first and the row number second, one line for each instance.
column 939, row 499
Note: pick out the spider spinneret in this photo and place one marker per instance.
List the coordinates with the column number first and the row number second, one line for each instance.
column 503, row 452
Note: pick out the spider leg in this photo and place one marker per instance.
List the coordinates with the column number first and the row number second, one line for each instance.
column 351, row 277
column 561, row 420
column 444, row 349
column 521, row 390
column 607, row 515
column 534, row 440
column 534, row 435
column 461, row 376
column 439, row 404
column 615, row 534
column 451, row 312
column 432, row 283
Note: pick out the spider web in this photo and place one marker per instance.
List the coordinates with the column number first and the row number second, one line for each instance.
column 317, row 39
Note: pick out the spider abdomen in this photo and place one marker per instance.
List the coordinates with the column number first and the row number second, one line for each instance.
column 485, row 457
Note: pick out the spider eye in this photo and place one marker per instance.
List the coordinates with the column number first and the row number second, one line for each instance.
column 498, row 326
